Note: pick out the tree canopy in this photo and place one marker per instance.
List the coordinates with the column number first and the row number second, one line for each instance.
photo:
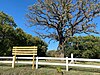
column 62, row 19
column 6, row 20
column 17, row 37
column 11, row 36
column 83, row 46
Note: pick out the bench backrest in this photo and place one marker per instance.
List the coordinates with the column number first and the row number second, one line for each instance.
column 24, row 50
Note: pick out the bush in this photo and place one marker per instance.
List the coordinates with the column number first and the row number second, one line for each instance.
column 88, row 54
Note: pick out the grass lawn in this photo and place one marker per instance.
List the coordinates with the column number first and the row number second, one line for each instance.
column 46, row 70
column 5, row 69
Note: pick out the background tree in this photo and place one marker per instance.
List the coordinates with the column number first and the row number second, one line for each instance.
column 6, row 39
column 17, row 37
column 62, row 19
column 23, row 39
column 51, row 53
column 11, row 36
column 7, row 26
column 55, row 53
column 6, row 20
column 84, row 47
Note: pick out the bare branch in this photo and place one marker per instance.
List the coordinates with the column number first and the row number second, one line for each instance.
column 62, row 19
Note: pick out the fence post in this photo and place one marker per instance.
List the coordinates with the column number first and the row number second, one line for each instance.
column 66, row 63
column 72, row 61
column 36, row 62
column 13, row 62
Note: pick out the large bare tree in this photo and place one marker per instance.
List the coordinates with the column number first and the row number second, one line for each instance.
column 62, row 19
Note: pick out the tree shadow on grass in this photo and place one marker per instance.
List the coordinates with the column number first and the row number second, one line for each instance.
column 94, row 70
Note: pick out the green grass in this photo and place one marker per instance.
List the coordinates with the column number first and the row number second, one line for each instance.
column 5, row 69
column 47, row 70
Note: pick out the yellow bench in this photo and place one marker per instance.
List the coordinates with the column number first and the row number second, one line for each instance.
column 24, row 50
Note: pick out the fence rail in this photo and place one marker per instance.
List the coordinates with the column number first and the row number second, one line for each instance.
column 38, row 62
column 83, row 59
column 6, row 60
column 66, row 62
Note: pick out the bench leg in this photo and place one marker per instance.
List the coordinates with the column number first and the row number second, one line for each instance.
column 13, row 62
column 33, row 63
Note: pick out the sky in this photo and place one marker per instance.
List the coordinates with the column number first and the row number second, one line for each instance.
column 19, row 8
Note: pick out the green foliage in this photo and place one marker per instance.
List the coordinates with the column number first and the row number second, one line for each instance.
column 6, row 39
column 10, row 36
column 59, row 69
column 6, row 20
column 18, row 37
column 88, row 54
column 86, row 46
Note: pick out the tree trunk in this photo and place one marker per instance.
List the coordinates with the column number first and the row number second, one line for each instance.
column 62, row 46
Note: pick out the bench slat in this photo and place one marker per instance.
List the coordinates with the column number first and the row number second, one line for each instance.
column 25, row 47
column 25, row 50
column 23, row 54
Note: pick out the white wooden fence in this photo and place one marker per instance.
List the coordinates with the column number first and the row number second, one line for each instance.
column 38, row 62
column 10, row 60
column 51, row 63
column 66, row 64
